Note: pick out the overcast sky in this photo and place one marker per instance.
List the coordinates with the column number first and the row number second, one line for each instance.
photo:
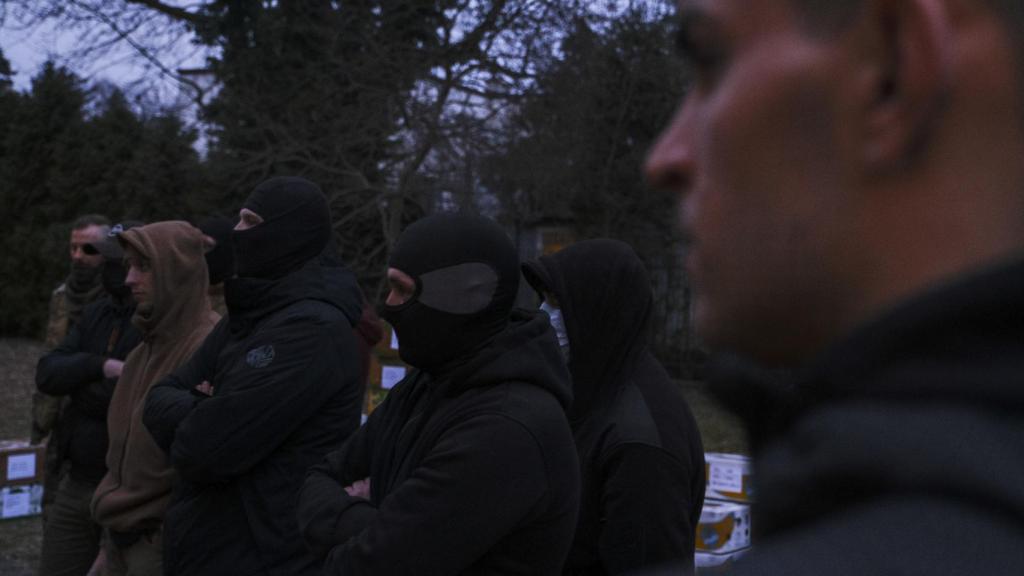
column 27, row 50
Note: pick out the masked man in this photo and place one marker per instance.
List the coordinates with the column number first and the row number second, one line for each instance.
column 269, row 393
column 468, row 466
column 641, row 457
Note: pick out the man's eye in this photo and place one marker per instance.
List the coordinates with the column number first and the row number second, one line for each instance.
column 707, row 65
column 702, row 54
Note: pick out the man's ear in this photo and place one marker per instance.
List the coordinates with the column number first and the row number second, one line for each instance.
column 910, row 86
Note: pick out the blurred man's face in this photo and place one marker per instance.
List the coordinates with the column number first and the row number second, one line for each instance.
column 79, row 238
column 755, row 152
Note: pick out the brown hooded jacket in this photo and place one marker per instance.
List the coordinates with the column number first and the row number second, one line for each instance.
column 137, row 487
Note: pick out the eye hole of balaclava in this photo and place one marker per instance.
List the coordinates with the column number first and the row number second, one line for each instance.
column 466, row 270
column 461, row 289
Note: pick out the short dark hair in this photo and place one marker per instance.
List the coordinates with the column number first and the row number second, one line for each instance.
column 830, row 16
column 87, row 220
column 824, row 17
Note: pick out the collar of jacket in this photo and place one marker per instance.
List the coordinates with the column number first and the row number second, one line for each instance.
column 960, row 342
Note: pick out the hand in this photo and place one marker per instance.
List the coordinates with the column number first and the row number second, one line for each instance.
column 205, row 388
column 359, row 489
column 112, row 368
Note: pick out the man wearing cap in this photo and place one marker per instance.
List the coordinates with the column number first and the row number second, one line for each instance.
column 272, row 389
column 468, row 467
column 166, row 274
column 81, row 287
column 84, row 368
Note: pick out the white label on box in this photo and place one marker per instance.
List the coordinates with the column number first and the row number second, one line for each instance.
column 21, row 466
column 16, row 504
column 726, row 477
column 391, row 375
column 394, row 339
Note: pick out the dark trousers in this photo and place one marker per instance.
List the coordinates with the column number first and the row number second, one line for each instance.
column 143, row 557
column 71, row 539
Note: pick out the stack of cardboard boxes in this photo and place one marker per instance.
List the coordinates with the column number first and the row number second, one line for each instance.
column 723, row 533
column 21, row 483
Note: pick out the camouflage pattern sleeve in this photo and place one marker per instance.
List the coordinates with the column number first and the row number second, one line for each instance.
column 57, row 323
column 46, row 408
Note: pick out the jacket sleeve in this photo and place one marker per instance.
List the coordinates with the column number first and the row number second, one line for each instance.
column 322, row 499
column 94, row 399
column 461, row 499
column 171, row 398
column 262, row 402
column 645, row 501
column 67, row 368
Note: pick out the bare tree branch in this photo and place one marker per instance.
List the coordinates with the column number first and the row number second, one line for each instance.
column 170, row 11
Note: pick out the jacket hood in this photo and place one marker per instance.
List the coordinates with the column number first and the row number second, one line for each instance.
column 249, row 299
column 525, row 351
column 605, row 296
column 176, row 255
column 924, row 400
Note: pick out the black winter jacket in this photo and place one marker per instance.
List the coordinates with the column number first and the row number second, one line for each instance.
column 471, row 473
column 641, row 456
column 75, row 369
column 898, row 451
column 286, row 391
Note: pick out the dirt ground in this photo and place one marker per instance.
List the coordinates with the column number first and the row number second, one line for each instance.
column 20, row 538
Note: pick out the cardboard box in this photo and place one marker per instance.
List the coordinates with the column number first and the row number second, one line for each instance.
column 387, row 348
column 20, row 501
column 723, row 527
column 20, row 463
column 711, row 563
column 729, row 477
column 384, row 374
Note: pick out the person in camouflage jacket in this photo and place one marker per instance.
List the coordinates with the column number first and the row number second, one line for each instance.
column 81, row 287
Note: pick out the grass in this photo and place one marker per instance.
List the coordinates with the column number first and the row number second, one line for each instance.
column 719, row 430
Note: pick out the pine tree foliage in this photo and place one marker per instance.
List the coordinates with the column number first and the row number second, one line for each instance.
column 68, row 150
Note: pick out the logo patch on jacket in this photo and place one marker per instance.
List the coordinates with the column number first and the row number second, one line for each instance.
column 260, row 357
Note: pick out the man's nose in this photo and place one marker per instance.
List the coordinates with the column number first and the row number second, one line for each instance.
column 670, row 163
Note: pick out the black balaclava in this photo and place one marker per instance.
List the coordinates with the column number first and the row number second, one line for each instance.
column 467, row 276
column 114, row 272
column 220, row 262
column 83, row 277
column 604, row 293
column 295, row 228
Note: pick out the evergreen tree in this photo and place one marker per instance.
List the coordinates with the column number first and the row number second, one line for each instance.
column 576, row 145
column 318, row 89
column 66, row 153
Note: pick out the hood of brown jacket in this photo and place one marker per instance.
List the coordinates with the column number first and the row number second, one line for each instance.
column 176, row 254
